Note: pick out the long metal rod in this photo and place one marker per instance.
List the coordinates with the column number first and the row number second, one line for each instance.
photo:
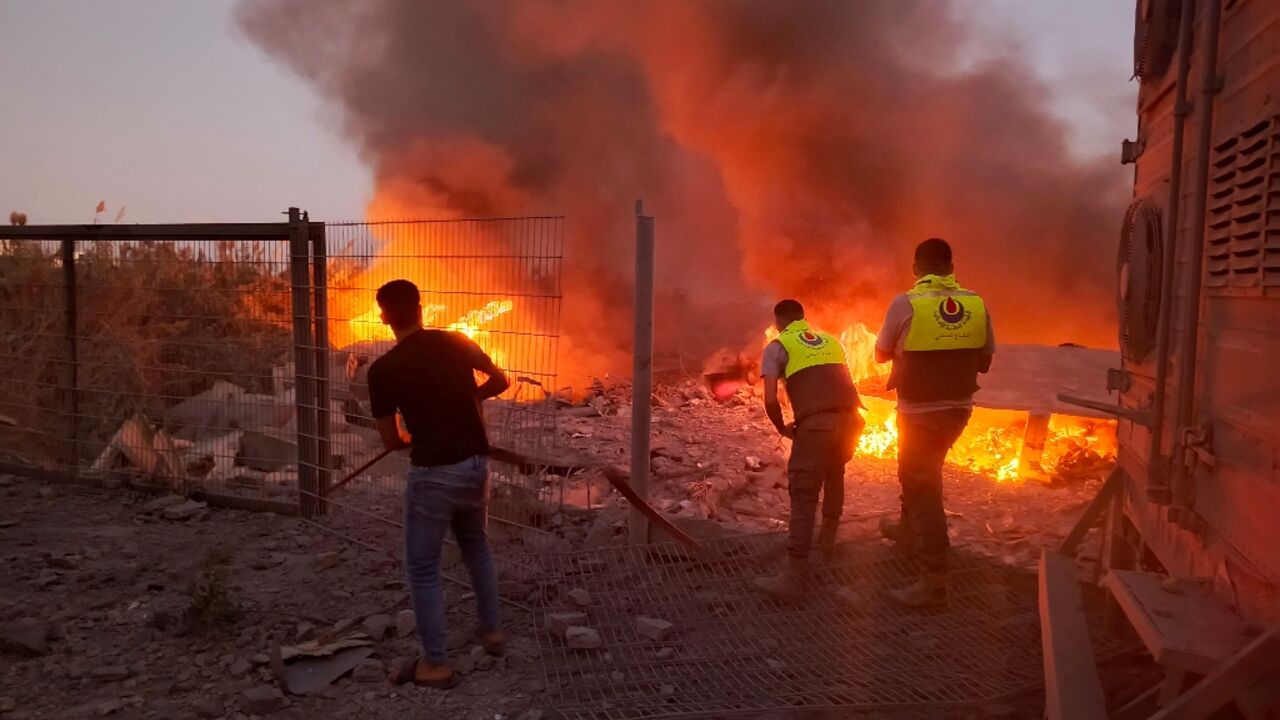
column 304, row 365
column 642, row 374
column 73, row 355
column 1210, row 86
column 1157, row 480
column 320, row 273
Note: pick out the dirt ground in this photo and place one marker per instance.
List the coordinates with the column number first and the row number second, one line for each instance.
column 107, row 584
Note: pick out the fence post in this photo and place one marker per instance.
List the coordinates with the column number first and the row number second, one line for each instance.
column 642, row 373
column 304, row 359
column 72, row 374
column 320, row 272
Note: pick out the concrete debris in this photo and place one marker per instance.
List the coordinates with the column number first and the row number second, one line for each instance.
column 311, row 675
column 617, row 676
column 207, row 707
column 406, row 623
column 653, row 628
column 666, row 690
column 45, row 492
column 665, row 653
column 851, row 598
column 262, row 700
column 8, row 704
column 185, row 510
column 369, row 671
column 327, row 560
column 376, row 626
column 108, row 707
column 583, row 638
column 751, row 462
column 240, row 668
column 266, row 452
column 580, row 597
column 559, row 623
column 8, row 522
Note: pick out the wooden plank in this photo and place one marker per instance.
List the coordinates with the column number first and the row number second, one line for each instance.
column 1072, row 688
column 1182, row 623
column 1113, row 485
column 1235, row 675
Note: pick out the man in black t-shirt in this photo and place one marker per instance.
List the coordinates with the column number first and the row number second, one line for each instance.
column 428, row 377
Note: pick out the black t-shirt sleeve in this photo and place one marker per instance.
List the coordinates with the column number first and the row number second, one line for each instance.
column 474, row 355
column 382, row 400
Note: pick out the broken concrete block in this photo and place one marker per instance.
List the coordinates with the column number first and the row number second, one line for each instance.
column 751, row 462
column 185, row 510
column 376, row 625
column 580, row 597
column 262, row 700
column 583, row 638
column 653, row 628
column 406, row 623
column 162, row 502
column 559, row 623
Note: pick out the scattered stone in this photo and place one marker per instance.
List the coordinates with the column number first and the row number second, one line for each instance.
column 327, row 560
column 369, row 671
column 653, row 628
column 666, row 690
column 580, row 597
column 106, row 707
column 240, row 668
column 559, row 623
column 583, row 638
column 470, row 662
column 161, row 503
column 664, row 653
column 775, row 664
column 752, row 462
column 8, row 522
column 26, row 637
column 534, row 686
column 406, row 623
column 617, row 676
column 8, row 704
column 376, row 626
column 110, row 673
column 45, row 492
column 185, row 510
column 458, row 639
column 206, row 707
column 63, row 562
column 262, row 700
column 534, row 714
column 306, row 631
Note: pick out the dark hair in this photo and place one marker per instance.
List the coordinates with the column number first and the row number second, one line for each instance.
column 399, row 300
column 933, row 253
column 788, row 309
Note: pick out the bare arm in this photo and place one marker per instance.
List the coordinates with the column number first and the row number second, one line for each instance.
column 773, row 408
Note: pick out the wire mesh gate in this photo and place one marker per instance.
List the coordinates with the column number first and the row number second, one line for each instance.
column 204, row 359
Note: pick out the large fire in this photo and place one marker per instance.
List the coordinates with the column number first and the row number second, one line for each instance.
column 992, row 442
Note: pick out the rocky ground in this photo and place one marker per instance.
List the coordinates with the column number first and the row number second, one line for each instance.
column 96, row 592
column 113, row 605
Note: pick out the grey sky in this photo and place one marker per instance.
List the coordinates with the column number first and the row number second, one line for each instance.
column 159, row 105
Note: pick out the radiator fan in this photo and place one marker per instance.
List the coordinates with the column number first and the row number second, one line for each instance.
column 1155, row 37
column 1141, row 255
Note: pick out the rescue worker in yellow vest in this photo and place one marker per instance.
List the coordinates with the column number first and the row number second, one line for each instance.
column 824, row 433
column 939, row 337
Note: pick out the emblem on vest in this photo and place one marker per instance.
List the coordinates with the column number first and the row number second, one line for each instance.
column 951, row 314
column 812, row 339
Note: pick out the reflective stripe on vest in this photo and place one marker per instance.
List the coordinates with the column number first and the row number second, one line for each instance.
column 807, row 347
column 945, row 316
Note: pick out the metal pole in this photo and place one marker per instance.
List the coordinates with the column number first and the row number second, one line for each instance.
column 320, row 273
column 642, row 374
column 73, row 356
column 304, row 360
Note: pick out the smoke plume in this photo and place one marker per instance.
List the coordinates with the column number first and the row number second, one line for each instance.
column 786, row 150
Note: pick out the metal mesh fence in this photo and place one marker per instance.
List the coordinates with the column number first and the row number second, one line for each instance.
column 146, row 356
column 229, row 360
column 496, row 281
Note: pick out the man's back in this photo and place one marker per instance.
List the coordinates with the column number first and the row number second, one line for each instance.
column 428, row 376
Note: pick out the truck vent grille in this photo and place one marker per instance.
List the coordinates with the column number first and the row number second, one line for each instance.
column 1242, row 240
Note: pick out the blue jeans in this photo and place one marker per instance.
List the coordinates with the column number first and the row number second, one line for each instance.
column 438, row 498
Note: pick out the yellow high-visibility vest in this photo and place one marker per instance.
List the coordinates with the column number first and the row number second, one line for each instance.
column 807, row 347
column 945, row 316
